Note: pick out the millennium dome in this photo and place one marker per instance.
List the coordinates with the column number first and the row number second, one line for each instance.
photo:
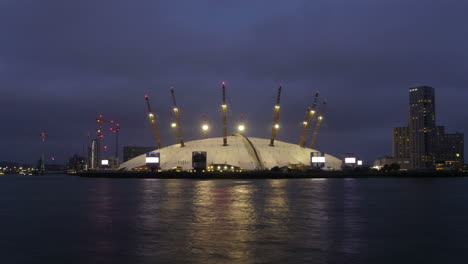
column 246, row 153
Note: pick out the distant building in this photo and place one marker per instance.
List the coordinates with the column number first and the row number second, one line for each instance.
column 130, row 152
column 401, row 143
column 450, row 150
column 93, row 154
column 423, row 143
column 388, row 161
column 109, row 163
column 422, row 126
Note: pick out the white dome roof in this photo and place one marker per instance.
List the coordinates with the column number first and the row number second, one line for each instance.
column 248, row 153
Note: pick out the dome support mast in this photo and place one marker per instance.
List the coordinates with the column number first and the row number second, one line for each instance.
column 152, row 118
column 317, row 125
column 308, row 119
column 224, row 109
column 178, row 125
column 276, row 115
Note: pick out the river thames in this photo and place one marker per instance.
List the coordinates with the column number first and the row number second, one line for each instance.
column 68, row 219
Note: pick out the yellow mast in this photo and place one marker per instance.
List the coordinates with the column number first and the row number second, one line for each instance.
column 308, row 119
column 224, row 108
column 276, row 115
column 177, row 126
column 317, row 125
column 152, row 118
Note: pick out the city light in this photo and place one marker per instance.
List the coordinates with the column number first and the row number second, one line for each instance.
column 205, row 127
column 318, row 159
column 152, row 159
column 173, row 124
column 241, row 128
column 276, row 126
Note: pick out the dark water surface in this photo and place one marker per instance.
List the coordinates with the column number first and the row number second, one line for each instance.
column 67, row 219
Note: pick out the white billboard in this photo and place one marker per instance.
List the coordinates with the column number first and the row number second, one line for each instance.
column 104, row 162
column 318, row 159
column 359, row 162
column 350, row 160
column 152, row 159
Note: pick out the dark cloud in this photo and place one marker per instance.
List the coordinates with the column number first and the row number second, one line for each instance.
column 62, row 63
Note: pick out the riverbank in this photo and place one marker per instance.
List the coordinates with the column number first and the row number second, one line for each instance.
column 270, row 174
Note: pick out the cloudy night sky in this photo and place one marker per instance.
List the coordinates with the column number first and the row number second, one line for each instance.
column 64, row 62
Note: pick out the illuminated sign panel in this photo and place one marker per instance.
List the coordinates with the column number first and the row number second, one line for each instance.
column 318, row 159
column 350, row 160
column 359, row 162
column 152, row 159
column 104, row 162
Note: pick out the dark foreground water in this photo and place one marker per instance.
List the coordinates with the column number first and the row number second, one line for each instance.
column 66, row 219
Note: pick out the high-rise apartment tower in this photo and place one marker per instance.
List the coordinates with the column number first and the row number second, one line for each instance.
column 422, row 126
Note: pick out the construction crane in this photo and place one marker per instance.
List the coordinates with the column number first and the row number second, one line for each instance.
column 152, row 118
column 224, row 108
column 100, row 131
column 100, row 120
column 308, row 119
column 276, row 115
column 178, row 127
column 42, row 161
column 317, row 125
column 115, row 129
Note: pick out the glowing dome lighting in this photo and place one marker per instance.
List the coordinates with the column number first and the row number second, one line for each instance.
column 238, row 153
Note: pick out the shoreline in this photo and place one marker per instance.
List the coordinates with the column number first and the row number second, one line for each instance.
column 269, row 175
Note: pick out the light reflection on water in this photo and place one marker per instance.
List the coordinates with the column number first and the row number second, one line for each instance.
column 236, row 221
column 352, row 222
column 223, row 223
column 75, row 220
